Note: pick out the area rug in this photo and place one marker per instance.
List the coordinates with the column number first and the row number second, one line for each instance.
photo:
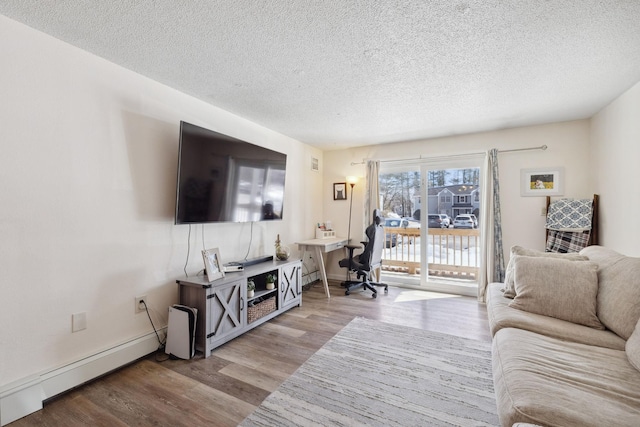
column 380, row 374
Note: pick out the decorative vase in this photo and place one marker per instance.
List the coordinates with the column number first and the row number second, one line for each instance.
column 282, row 253
column 250, row 293
column 271, row 286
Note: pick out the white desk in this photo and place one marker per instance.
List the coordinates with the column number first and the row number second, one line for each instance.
column 322, row 246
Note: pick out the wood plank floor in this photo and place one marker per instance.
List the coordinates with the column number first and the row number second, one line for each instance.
column 224, row 388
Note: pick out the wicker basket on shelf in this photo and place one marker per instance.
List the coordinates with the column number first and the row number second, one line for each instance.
column 261, row 309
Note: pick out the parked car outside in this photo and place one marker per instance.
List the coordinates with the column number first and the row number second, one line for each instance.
column 465, row 221
column 396, row 222
column 391, row 239
column 411, row 222
column 438, row 221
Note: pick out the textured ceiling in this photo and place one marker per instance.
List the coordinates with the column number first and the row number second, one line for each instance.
column 340, row 73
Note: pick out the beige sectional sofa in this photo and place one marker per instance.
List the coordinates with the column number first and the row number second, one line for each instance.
column 566, row 338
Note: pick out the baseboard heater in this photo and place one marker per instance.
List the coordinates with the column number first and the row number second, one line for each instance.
column 26, row 396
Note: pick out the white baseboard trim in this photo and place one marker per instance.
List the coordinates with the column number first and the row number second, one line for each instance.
column 26, row 396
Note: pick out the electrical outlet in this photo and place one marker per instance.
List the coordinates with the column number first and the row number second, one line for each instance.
column 140, row 306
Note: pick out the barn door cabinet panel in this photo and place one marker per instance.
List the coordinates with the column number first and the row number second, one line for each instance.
column 291, row 285
column 225, row 311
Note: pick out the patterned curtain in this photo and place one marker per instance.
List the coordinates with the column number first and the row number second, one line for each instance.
column 492, row 254
column 372, row 194
column 498, row 267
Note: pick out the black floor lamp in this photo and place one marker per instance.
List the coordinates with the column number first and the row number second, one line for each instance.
column 352, row 180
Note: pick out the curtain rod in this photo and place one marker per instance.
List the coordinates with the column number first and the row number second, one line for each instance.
column 542, row 147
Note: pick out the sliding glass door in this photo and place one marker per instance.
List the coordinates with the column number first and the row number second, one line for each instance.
column 432, row 224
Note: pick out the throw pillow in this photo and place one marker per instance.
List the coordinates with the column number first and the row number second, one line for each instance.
column 509, row 289
column 557, row 288
column 632, row 348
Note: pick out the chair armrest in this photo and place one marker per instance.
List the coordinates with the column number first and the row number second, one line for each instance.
column 352, row 248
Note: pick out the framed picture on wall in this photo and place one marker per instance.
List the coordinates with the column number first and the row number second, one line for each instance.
column 340, row 191
column 213, row 264
column 542, row 181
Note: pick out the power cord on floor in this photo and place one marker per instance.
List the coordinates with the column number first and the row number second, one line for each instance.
column 161, row 343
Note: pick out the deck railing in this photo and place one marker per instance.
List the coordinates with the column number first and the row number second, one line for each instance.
column 451, row 252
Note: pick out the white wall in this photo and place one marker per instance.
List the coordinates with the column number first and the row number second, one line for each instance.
column 87, row 173
column 522, row 223
column 615, row 171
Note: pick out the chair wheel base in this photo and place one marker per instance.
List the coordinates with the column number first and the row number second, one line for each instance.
column 350, row 285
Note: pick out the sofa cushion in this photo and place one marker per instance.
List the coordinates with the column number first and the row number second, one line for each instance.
column 558, row 288
column 632, row 347
column 509, row 289
column 502, row 316
column 546, row 381
column 618, row 290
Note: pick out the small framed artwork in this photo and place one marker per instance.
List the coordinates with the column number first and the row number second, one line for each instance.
column 542, row 181
column 340, row 191
column 212, row 264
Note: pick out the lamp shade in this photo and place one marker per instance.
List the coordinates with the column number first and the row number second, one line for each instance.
column 352, row 180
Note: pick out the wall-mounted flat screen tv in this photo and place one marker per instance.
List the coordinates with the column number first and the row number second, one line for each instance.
column 224, row 179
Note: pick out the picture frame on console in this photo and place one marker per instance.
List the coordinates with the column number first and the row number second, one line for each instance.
column 212, row 264
column 542, row 182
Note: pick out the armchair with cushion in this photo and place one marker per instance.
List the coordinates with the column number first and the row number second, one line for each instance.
column 369, row 260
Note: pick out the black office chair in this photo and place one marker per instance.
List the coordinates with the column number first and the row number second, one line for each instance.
column 369, row 260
